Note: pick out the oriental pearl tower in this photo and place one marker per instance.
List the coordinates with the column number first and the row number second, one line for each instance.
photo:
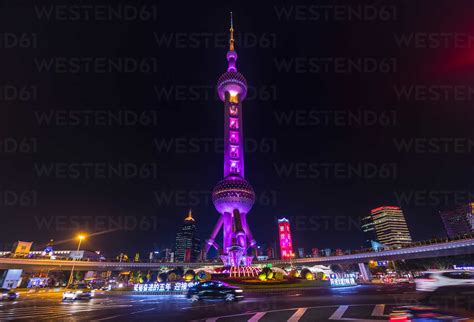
column 233, row 196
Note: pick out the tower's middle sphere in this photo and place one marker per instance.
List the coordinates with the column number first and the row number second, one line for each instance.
column 233, row 193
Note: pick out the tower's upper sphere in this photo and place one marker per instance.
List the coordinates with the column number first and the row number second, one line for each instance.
column 233, row 193
column 232, row 82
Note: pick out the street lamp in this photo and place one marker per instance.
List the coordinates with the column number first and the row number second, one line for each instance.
column 80, row 237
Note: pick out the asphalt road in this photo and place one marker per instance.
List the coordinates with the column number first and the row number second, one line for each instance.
column 360, row 303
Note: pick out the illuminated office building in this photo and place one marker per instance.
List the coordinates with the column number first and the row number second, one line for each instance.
column 390, row 226
column 460, row 221
column 188, row 244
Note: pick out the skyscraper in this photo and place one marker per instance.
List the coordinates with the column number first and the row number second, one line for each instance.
column 188, row 244
column 233, row 197
column 460, row 221
column 286, row 245
column 368, row 227
column 390, row 226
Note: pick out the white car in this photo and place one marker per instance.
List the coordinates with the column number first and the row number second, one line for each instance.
column 432, row 280
column 6, row 294
column 78, row 292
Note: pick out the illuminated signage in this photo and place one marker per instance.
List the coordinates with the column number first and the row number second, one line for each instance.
column 463, row 267
column 286, row 247
column 163, row 287
column 342, row 279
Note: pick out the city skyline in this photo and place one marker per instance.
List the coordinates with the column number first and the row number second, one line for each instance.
column 260, row 161
column 310, row 145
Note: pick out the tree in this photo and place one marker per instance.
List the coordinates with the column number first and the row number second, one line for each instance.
column 293, row 273
column 77, row 276
column 172, row 277
column 266, row 270
column 309, row 276
column 278, row 275
column 163, row 277
column 189, row 275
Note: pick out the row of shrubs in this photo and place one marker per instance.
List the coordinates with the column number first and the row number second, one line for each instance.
column 267, row 274
column 188, row 276
column 172, row 276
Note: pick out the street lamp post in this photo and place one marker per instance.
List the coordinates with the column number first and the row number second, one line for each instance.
column 80, row 237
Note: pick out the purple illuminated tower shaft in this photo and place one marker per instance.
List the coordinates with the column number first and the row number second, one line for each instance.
column 233, row 197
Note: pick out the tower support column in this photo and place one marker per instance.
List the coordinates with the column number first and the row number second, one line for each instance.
column 211, row 241
column 227, row 231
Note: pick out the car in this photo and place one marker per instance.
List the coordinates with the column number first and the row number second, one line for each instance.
column 421, row 313
column 78, row 292
column 8, row 295
column 214, row 290
column 432, row 280
column 402, row 280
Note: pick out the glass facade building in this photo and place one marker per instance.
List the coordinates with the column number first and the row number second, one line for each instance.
column 390, row 226
column 460, row 221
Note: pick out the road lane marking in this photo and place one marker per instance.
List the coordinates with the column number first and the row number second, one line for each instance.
column 378, row 310
column 33, row 317
column 54, row 316
column 196, row 307
column 49, row 312
column 136, row 312
column 213, row 319
column 121, row 315
column 257, row 317
column 297, row 315
column 337, row 315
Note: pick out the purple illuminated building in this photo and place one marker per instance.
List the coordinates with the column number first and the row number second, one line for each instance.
column 233, row 197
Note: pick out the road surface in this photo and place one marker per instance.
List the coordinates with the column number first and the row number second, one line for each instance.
column 360, row 303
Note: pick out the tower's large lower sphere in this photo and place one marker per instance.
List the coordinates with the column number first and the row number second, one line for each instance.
column 233, row 193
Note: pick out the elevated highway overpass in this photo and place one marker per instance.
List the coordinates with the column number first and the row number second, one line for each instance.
column 451, row 248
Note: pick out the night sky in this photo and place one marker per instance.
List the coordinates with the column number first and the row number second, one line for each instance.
column 352, row 105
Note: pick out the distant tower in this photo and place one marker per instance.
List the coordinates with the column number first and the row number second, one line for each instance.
column 188, row 244
column 284, row 232
column 233, row 197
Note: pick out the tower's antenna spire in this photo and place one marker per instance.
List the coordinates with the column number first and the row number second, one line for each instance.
column 231, row 40
column 190, row 215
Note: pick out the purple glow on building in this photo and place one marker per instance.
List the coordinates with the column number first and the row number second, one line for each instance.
column 233, row 197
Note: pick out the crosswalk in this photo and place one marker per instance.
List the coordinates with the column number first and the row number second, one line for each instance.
column 50, row 312
column 297, row 315
column 354, row 313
